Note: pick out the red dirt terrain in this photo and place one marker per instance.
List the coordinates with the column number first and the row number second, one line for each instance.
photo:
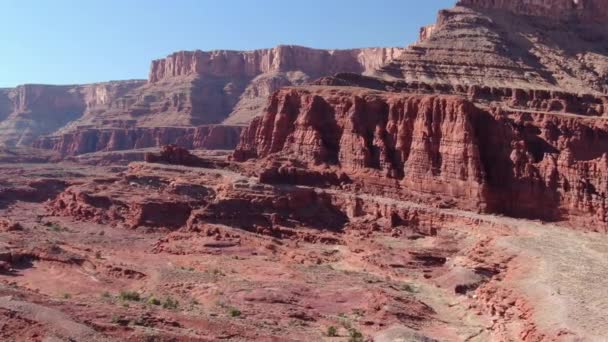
column 454, row 190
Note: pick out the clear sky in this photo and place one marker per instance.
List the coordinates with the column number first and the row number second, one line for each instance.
column 83, row 41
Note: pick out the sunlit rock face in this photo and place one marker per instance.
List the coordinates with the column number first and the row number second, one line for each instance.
column 595, row 10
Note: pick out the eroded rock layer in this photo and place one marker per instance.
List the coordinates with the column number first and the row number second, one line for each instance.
column 30, row 111
column 186, row 89
column 213, row 137
column 434, row 148
column 596, row 10
column 511, row 44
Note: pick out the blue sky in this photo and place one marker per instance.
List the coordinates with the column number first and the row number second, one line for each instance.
column 76, row 41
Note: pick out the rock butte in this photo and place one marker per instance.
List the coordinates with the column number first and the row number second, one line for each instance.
column 453, row 190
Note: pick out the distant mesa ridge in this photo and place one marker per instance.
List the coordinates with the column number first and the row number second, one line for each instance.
column 187, row 89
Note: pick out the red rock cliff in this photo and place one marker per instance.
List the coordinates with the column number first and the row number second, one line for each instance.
column 214, row 137
column 430, row 147
column 29, row 111
column 284, row 58
column 596, row 10
column 186, row 89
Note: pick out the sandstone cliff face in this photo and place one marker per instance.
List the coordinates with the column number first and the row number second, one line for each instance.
column 596, row 10
column 436, row 149
column 422, row 143
column 186, row 89
column 282, row 58
column 29, row 111
column 214, row 137
column 236, row 83
column 471, row 45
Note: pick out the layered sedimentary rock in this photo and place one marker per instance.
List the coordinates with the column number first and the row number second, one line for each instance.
column 29, row 111
column 237, row 83
column 213, row 137
column 595, row 10
column 499, row 107
column 538, row 100
column 186, row 89
column 435, row 148
column 490, row 43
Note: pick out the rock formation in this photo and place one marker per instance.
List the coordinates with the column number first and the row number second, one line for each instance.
column 235, row 84
column 472, row 116
column 30, row 111
column 487, row 43
column 187, row 89
column 594, row 10
column 213, row 137
column 436, row 146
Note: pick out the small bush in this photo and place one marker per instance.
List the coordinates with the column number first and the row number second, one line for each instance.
column 408, row 288
column 98, row 255
column 120, row 320
column 170, row 303
column 218, row 272
column 129, row 295
column 106, row 295
column 355, row 335
column 54, row 227
column 154, row 301
column 67, row 296
column 234, row 312
column 332, row 331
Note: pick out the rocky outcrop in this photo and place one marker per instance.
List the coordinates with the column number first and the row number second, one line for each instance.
column 540, row 100
column 596, row 10
column 38, row 190
column 473, row 45
column 421, row 143
column 436, row 149
column 174, row 155
column 213, row 137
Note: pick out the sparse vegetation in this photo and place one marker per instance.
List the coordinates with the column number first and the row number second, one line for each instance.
column 98, row 255
column 408, row 288
column 234, row 312
column 332, row 331
column 129, row 296
column 106, row 295
column 154, row 301
column 141, row 321
column 55, row 227
column 218, row 272
column 120, row 320
column 170, row 303
column 67, row 296
column 345, row 321
column 354, row 335
column 359, row 312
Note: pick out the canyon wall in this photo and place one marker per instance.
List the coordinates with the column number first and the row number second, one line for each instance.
column 29, row 111
column 186, row 89
column 232, row 86
column 212, row 137
column 471, row 45
column 434, row 148
column 596, row 10
column 283, row 58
